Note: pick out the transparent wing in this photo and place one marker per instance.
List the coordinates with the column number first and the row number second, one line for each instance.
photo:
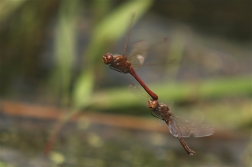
column 141, row 50
column 139, row 53
column 173, row 128
column 186, row 128
column 128, row 33
column 143, row 96
column 175, row 132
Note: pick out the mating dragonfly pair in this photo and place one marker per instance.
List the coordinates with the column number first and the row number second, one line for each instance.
column 178, row 127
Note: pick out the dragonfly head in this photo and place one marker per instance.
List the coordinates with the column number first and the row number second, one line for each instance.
column 152, row 104
column 108, row 58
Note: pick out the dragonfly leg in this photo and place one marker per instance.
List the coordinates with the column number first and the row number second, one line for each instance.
column 118, row 70
column 155, row 115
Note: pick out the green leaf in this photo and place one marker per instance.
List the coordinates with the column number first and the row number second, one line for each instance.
column 65, row 49
column 83, row 89
column 7, row 8
column 114, row 26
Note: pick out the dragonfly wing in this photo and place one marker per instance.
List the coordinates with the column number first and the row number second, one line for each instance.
column 187, row 128
column 140, row 93
column 138, row 54
column 173, row 128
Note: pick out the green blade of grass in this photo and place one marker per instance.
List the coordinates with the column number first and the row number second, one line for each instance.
column 119, row 98
column 65, row 49
column 113, row 27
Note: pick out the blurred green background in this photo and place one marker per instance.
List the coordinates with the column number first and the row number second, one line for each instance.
column 51, row 56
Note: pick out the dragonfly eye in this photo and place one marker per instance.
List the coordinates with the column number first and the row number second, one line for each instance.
column 152, row 104
column 107, row 58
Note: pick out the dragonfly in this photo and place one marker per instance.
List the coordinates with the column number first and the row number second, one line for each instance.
column 126, row 64
column 178, row 127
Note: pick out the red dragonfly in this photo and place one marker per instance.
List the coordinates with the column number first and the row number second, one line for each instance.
column 126, row 64
column 178, row 127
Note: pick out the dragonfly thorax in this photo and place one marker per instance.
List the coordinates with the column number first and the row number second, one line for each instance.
column 163, row 111
column 163, row 107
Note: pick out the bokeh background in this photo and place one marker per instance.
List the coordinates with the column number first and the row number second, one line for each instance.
column 61, row 106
